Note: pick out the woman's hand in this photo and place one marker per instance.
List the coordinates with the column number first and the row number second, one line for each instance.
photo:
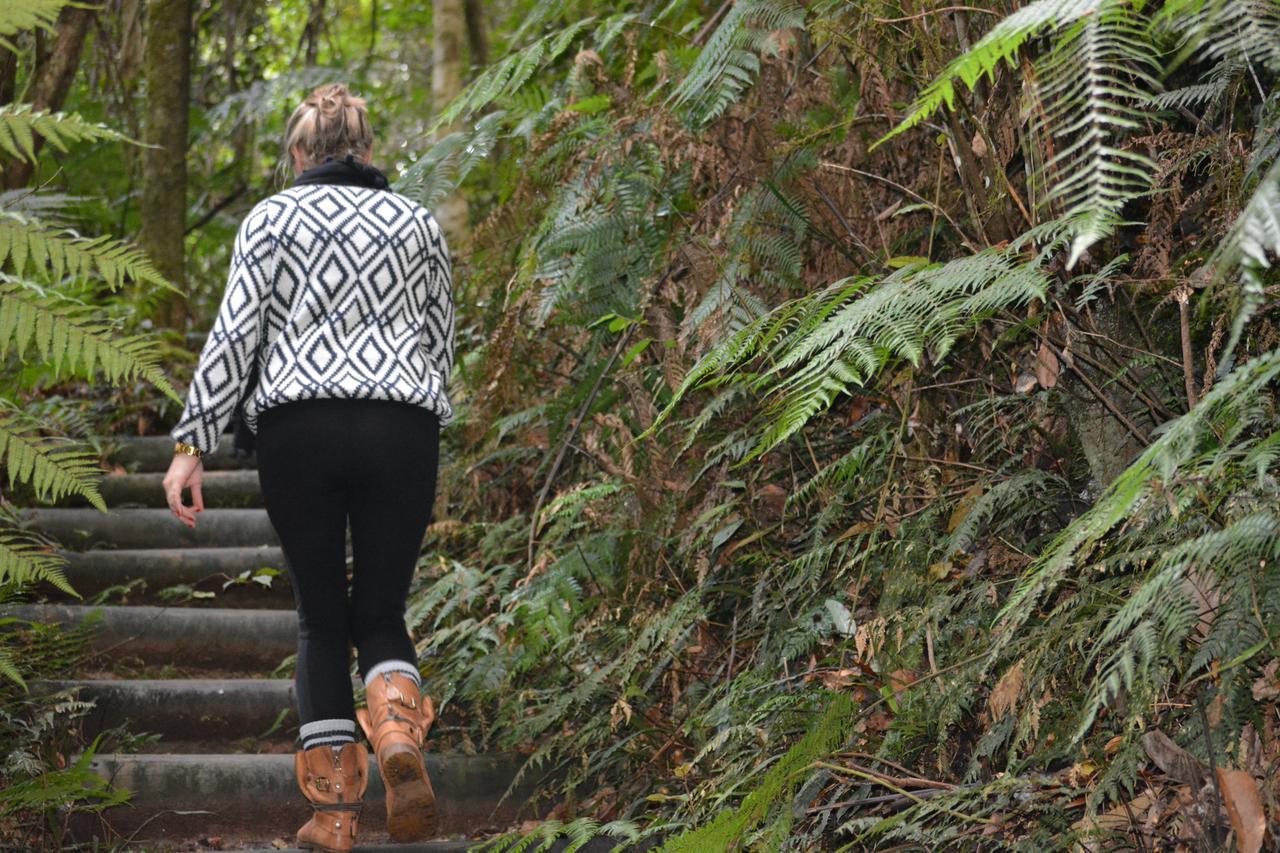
column 185, row 471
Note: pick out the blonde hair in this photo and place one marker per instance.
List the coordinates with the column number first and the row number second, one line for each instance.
column 331, row 122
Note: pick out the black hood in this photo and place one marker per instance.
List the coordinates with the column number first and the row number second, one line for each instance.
column 349, row 172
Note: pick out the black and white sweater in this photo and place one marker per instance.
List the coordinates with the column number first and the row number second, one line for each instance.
column 349, row 291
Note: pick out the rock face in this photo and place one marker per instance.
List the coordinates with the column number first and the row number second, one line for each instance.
column 196, row 661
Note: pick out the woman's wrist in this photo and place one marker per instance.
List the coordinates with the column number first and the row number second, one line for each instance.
column 183, row 448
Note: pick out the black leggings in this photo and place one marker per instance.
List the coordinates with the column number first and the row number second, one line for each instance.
column 320, row 462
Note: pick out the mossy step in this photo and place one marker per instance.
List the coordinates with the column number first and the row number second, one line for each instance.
column 206, row 569
column 188, row 637
column 248, row 796
column 234, row 489
column 209, row 709
column 155, row 453
column 85, row 529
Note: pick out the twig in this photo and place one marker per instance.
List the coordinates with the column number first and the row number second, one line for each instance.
column 920, row 794
column 1102, row 397
column 964, row 237
column 929, row 12
column 870, row 777
column 573, row 431
column 1183, row 296
column 712, row 22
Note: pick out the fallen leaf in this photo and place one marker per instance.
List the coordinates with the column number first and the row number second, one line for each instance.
column 1267, row 686
column 1004, row 698
column 1047, row 367
column 1244, row 806
column 963, row 507
column 1173, row 759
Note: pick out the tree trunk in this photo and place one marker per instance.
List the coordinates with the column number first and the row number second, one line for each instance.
column 52, row 79
column 167, row 65
column 450, row 25
column 477, row 38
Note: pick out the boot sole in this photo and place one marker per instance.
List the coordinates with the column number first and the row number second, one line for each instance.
column 411, row 803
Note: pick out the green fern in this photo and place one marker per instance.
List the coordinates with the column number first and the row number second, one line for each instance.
column 1236, row 30
column 728, row 64
column 1248, row 249
column 24, row 560
column 25, row 241
column 506, row 77
column 446, row 164
column 18, row 15
column 72, row 340
column 819, row 346
column 1000, row 44
column 20, row 124
column 54, row 467
column 1090, row 87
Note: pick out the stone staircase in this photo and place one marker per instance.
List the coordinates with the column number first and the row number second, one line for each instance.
column 178, row 656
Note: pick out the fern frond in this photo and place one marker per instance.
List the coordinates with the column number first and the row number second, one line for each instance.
column 728, row 64
column 24, row 240
column 1247, row 250
column 24, row 560
column 20, row 124
column 72, row 340
column 505, row 77
column 1089, row 88
column 54, row 467
column 1000, row 44
column 1222, row 412
column 446, row 165
column 18, row 15
column 1238, row 30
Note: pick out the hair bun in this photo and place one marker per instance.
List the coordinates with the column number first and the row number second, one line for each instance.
column 331, row 122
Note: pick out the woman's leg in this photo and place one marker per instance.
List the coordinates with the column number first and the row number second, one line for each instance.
column 303, row 457
column 393, row 488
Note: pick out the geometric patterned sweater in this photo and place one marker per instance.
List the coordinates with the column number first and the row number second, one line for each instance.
column 349, row 291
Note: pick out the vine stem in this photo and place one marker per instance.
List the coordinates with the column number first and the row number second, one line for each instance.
column 573, row 432
column 880, row 780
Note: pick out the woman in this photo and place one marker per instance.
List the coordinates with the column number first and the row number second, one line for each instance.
column 339, row 295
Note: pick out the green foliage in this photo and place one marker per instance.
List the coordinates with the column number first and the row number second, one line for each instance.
column 20, row 124
column 18, row 15
column 54, row 467
column 505, row 77
column 26, row 241
column 727, row 66
column 820, row 346
column 73, row 339
column 727, row 829
column 1248, row 249
column 1000, row 44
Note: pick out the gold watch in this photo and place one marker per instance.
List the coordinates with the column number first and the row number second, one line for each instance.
column 190, row 450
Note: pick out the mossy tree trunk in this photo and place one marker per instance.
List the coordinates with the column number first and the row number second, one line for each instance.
column 163, row 212
column 449, row 21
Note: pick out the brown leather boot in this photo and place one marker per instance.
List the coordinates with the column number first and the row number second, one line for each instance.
column 396, row 723
column 334, row 783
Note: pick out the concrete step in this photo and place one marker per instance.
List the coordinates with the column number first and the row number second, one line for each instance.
column 155, row 453
column 221, row 489
column 210, row 709
column 205, row 569
column 257, row 796
column 425, row 847
column 84, row 529
column 188, row 637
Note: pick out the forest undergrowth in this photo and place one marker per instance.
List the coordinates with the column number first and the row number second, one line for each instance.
column 866, row 411
column 869, row 422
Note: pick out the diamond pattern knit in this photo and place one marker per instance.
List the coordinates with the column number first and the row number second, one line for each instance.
column 348, row 289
